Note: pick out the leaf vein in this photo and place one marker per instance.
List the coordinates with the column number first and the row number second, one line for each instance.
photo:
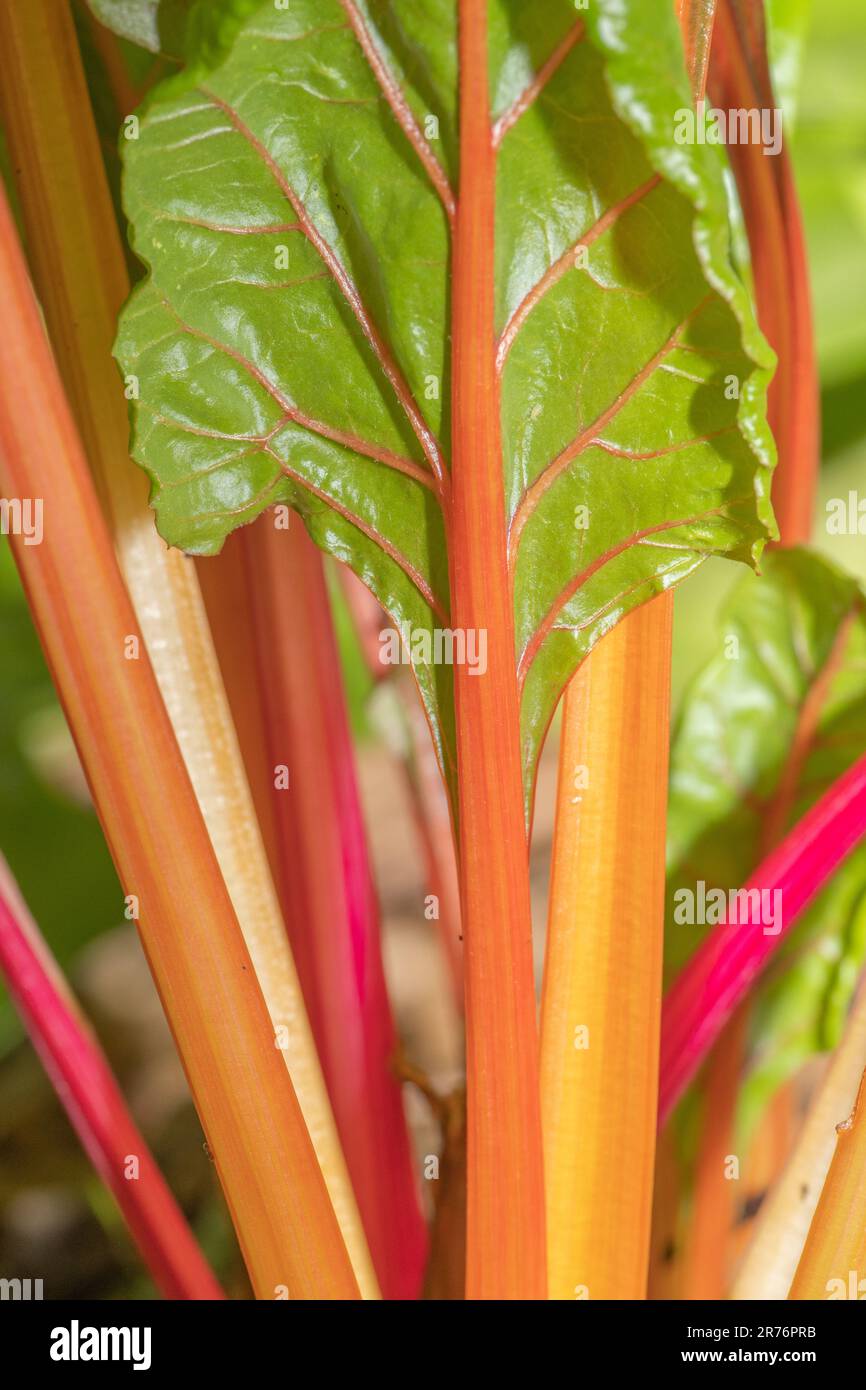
column 291, row 412
column 566, row 262
column 534, row 493
column 350, row 292
column 393, row 552
column 530, row 94
column 547, row 623
column 403, row 113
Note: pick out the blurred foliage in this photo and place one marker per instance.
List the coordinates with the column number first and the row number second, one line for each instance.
column 829, row 148
column 784, row 692
column 788, row 28
column 48, row 832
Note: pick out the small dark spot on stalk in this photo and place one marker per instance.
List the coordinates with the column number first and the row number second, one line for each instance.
column 751, row 1206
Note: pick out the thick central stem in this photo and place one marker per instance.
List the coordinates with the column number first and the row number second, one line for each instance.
column 505, row 1235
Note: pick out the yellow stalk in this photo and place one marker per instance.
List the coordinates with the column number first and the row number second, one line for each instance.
column 602, row 982
column 833, row 1262
column 605, row 932
column 80, row 274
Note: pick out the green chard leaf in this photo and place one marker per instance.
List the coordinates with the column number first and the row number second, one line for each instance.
column 157, row 25
column 768, row 725
column 291, row 344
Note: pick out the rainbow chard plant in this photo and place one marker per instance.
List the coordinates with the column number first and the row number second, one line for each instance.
column 438, row 292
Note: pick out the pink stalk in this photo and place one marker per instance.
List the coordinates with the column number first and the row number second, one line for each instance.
column 270, row 613
column 82, row 1078
column 719, row 974
column 432, row 817
column 368, row 619
column 427, row 795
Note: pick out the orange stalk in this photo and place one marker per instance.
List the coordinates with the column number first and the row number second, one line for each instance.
column 833, row 1262
column 92, row 1099
column 80, row 274
column 254, row 1126
column 602, row 981
column 505, row 1256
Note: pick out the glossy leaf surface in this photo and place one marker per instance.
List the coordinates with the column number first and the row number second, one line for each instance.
column 291, row 342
